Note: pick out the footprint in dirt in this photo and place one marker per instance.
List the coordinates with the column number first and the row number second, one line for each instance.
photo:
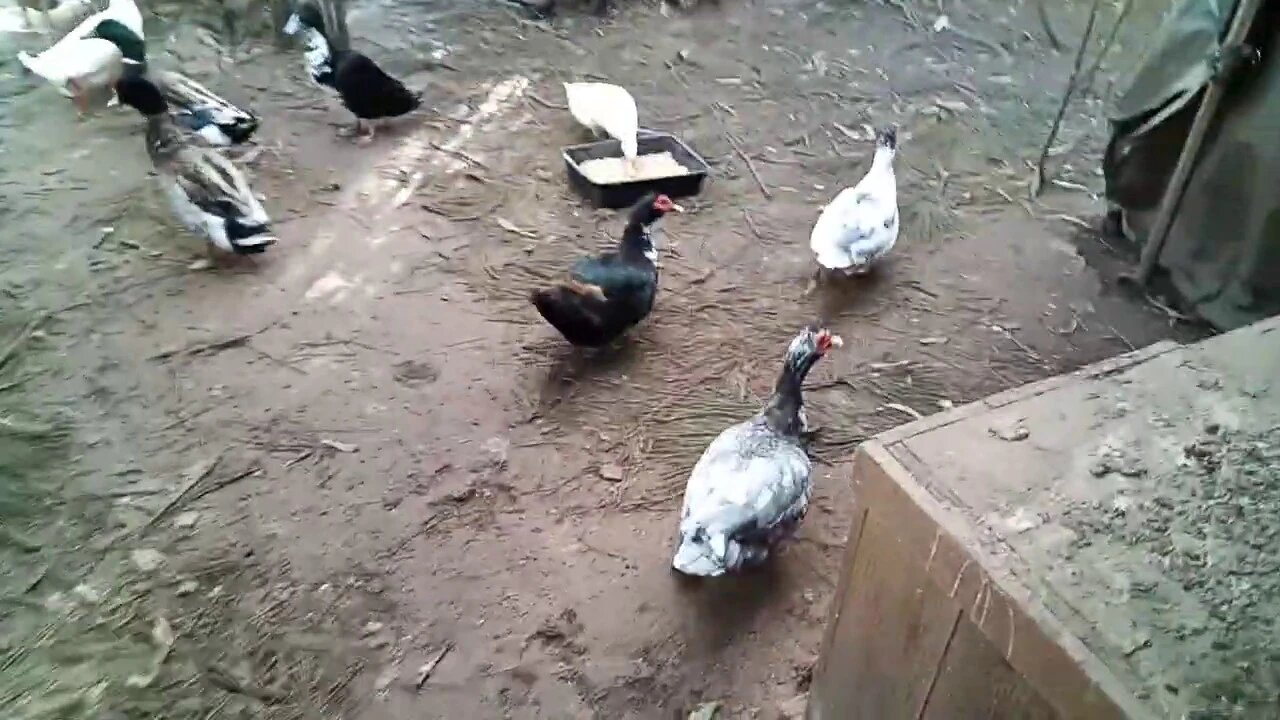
column 415, row 372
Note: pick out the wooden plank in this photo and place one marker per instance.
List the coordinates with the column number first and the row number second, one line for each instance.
column 959, row 561
column 975, row 681
column 887, row 636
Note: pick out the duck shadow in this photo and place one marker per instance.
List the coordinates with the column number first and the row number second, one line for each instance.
column 839, row 296
column 726, row 606
column 571, row 367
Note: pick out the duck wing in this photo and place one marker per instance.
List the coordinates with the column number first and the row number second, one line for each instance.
column 216, row 186
column 747, row 481
column 858, row 226
column 613, row 276
column 199, row 109
column 749, row 489
column 368, row 91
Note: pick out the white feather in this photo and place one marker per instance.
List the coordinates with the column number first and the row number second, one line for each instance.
column 860, row 225
column 58, row 20
column 79, row 57
column 605, row 108
column 93, row 62
column 727, row 486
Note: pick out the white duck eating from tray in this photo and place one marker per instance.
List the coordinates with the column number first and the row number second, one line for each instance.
column 860, row 225
column 750, row 489
column 608, row 109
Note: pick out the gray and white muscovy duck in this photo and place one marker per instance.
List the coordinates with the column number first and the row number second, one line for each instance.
column 206, row 191
column 364, row 88
column 609, row 294
column 750, row 489
column 860, row 225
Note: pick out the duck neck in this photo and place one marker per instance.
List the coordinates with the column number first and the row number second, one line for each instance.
column 783, row 409
column 319, row 54
column 637, row 242
column 883, row 161
column 163, row 137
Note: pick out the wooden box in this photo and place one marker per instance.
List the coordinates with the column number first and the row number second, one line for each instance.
column 1095, row 546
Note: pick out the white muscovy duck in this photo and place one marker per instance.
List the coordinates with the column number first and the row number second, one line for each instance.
column 604, row 108
column 750, row 489
column 85, row 59
column 860, row 225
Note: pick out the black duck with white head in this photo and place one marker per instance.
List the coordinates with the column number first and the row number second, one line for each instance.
column 609, row 294
column 364, row 88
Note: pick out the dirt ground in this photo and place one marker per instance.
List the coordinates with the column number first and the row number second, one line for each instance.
column 369, row 437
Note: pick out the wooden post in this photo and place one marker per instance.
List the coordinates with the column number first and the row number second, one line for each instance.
column 1240, row 25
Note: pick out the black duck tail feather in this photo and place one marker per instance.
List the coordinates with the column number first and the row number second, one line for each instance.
column 579, row 318
column 248, row 238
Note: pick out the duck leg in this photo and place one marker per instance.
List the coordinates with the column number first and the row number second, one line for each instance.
column 814, row 280
column 79, row 97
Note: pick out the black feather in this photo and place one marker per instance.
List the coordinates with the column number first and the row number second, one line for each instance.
column 626, row 277
column 369, row 92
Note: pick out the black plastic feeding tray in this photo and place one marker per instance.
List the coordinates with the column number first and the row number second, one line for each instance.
column 626, row 194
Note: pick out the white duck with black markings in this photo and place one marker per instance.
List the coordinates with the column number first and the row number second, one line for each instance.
column 860, row 226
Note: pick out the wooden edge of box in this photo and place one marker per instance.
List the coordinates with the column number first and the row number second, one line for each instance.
column 1104, row 368
column 1032, row 640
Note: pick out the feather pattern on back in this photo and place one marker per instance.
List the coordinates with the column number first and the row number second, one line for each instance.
column 208, row 193
column 197, row 108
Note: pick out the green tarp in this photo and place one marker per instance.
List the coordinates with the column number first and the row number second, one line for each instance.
column 1223, row 249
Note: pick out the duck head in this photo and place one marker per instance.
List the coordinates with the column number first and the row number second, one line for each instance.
column 785, row 411
column 306, row 15
column 887, row 137
column 132, row 47
column 645, row 213
column 139, row 93
column 808, row 347
column 651, row 208
column 886, row 146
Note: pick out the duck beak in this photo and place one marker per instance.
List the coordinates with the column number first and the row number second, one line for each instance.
column 676, row 208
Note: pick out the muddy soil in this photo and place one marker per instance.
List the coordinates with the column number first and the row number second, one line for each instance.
column 418, row 433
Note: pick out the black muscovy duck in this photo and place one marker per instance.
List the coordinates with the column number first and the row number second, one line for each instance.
column 609, row 294
column 365, row 89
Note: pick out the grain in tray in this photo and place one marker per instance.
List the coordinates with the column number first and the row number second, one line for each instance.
column 613, row 170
